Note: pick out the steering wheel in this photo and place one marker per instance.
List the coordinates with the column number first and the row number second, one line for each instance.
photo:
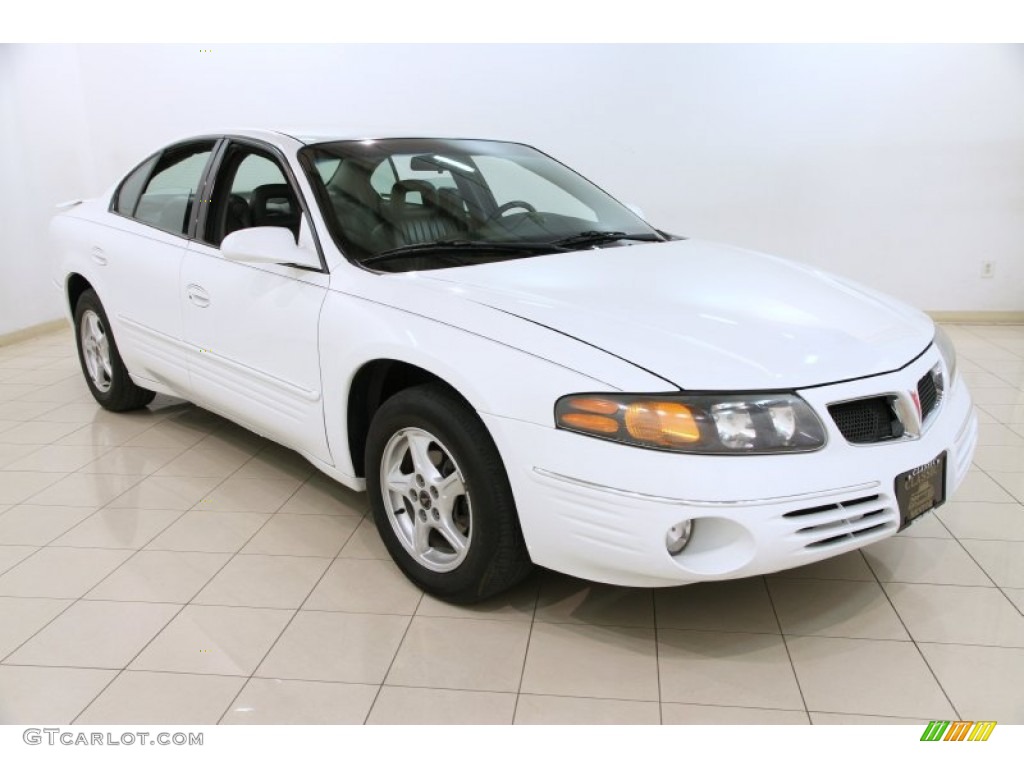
column 504, row 207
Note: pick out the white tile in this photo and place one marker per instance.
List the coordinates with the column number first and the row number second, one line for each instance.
column 1003, row 561
column 924, row 561
column 867, row 677
column 95, row 634
column 50, row 695
column 214, row 640
column 301, row 702
column 983, row 683
column 699, row 714
column 835, row 609
column 80, row 490
column 567, row 600
column 978, row 486
column 57, row 458
column 60, row 572
column 248, row 494
column 320, row 495
column 264, row 581
column 740, row 605
column 304, row 535
column 310, row 649
column 726, row 668
column 37, row 526
column 166, row 493
column 11, row 556
column 978, row 520
column 16, row 487
column 532, row 709
column 599, row 662
column 426, row 706
column 952, row 614
column 467, row 654
column 365, row 543
column 162, row 698
column 365, row 586
column 516, row 604
column 23, row 617
column 1011, row 482
column 118, row 528
column 133, row 460
column 209, row 532
column 160, row 577
column 38, row 432
column 277, row 462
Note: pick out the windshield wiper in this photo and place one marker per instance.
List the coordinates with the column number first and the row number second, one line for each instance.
column 463, row 247
column 598, row 236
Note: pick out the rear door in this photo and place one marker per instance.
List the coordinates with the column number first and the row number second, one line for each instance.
column 139, row 261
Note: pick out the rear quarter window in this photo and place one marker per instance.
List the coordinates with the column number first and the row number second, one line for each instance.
column 127, row 195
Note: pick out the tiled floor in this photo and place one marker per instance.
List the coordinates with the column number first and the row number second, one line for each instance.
column 168, row 567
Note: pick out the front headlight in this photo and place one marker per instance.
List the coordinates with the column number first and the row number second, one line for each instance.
column 766, row 422
column 948, row 352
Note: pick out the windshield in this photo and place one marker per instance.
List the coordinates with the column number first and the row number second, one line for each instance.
column 403, row 204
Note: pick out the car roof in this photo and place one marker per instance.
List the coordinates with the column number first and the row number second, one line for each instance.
column 285, row 137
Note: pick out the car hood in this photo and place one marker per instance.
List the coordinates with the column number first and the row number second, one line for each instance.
column 703, row 315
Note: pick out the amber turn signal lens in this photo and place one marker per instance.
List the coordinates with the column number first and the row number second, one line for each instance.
column 594, row 405
column 660, row 423
column 589, row 422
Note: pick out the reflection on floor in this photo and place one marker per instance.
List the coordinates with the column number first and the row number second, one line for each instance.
column 169, row 567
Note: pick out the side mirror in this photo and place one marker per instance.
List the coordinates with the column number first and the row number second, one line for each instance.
column 267, row 245
column 637, row 210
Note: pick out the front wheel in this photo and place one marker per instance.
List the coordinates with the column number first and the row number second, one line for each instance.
column 440, row 496
column 105, row 371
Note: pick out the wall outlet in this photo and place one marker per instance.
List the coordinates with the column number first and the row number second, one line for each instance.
column 988, row 269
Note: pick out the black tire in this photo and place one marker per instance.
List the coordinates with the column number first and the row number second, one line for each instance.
column 121, row 394
column 496, row 557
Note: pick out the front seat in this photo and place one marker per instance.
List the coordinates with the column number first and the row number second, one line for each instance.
column 424, row 222
column 274, row 205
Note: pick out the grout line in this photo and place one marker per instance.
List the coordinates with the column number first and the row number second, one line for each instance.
column 398, row 650
column 917, row 647
column 167, row 623
column 295, row 612
column 657, row 656
column 529, row 640
column 785, row 644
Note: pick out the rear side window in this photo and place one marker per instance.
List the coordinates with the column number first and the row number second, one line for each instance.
column 168, row 196
column 131, row 187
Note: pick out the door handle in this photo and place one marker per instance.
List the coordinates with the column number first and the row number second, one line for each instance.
column 197, row 295
column 98, row 256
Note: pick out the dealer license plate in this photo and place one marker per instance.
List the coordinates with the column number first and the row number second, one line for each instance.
column 921, row 489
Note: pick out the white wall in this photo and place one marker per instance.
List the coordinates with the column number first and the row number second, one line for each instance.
column 899, row 166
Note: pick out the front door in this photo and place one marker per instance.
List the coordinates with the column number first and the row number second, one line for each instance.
column 253, row 329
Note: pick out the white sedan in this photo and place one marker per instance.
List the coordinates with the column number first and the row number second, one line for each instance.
column 518, row 368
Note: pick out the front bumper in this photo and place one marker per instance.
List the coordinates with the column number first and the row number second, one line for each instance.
column 600, row 510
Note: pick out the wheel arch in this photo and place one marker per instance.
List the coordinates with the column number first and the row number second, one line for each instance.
column 373, row 383
column 75, row 286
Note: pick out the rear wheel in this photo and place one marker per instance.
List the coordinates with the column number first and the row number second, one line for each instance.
column 105, row 372
column 440, row 496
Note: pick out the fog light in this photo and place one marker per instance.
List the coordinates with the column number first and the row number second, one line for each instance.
column 678, row 536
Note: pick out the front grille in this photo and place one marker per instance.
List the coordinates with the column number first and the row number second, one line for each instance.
column 829, row 525
column 928, row 394
column 870, row 420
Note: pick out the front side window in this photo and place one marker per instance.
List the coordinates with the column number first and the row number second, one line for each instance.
column 169, row 194
column 403, row 204
column 251, row 190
